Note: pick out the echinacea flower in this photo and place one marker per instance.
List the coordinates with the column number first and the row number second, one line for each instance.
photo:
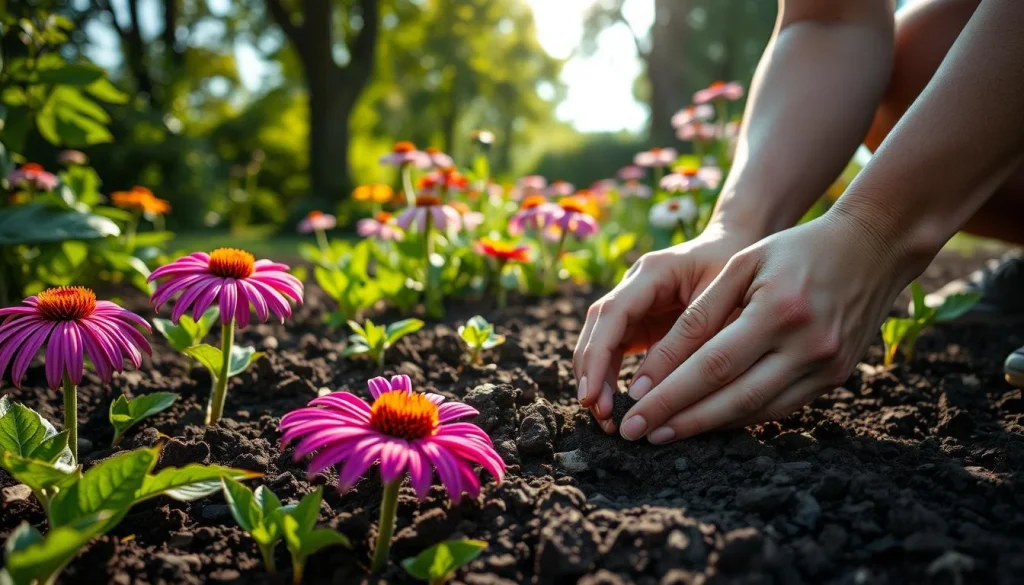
column 603, row 186
column 447, row 179
column 632, row 173
column 692, row 179
column 406, row 431
column 533, row 182
column 470, row 219
column 232, row 278
column 317, row 221
column 72, row 158
column 673, row 212
column 438, row 159
column 719, row 90
column 34, row 176
column 503, row 251
column 635, row 189
column 699, row 113
column 560, row 189
column 404, row 154
column 381, row 226
column 443, row 217
column 535, row 212
column 72, row 325
column 700, row 131
column 577, row 217
column 656, row 157
column 140, row 199
column 377, row 193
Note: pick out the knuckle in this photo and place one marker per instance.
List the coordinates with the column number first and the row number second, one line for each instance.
column 666, row 352
column 693, row 322
column 716, row 367
column 750, row 401
column 662, row 404
column 793, row 309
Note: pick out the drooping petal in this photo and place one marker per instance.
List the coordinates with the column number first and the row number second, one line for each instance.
column 455, row 410
column 54, row 360
column 228, row 301
column 242, row 311
column 256, row 298
column 365, row 454
column 28, row 351
column 420, row 471
column 74, row 355
column 443, row 461
column 393, row 459
column 275, row 302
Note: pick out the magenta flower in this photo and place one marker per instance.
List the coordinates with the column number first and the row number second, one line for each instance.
column 575, row 219
column 603, row 186
column 317, row 221
column 34, row 176
column 699, row 131
column 717, row 91
column 381, row 226
column 561, row 189
column 438, row 159
column 405, row 154
column 529, row 186
column 687, row 116
column 656, row 157
column 442, row 216
column 232, row 278
column 72, row 157
column 534, row 213
column 691, row 179
column 635, row 189
column 632, row 173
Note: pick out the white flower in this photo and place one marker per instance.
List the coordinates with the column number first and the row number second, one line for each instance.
column 670, row 213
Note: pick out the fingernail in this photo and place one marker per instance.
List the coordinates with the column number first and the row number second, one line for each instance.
column 640, row 387
column 662, row 435
column 634, row 427
column 597, row 407
column 581, row 389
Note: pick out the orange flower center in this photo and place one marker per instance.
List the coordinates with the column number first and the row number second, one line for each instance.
column 404, row 146
column 232, row 263
column 656, row 150
column 427, row 200
column 433, row 150
column 383, row 217
column 315, row 214
column 461, row 207
column 532, row 201
column 687, row 171
column 673, row 206
column 716, row 85
column 66, row 303
column 404, row 415
column 32, row 167
column 574, row 204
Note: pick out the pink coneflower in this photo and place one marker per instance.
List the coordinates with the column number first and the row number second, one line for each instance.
column 72, row 325
column 406, row 431
column 700, row 131
column 72, row 158
column 534, row 213
column 444, row 180
column 404, row 154
column 438, row 159
column 686, row 116
column 561, row 189
column 317, row 221
column 632, row 173
column 528, row 186
column 719, row 90
column 656, row 157
column 470, row 219
column 692, row 179
column 635, row 189
column 674, row 213
column 603, row 186
column 33, row 176
column 442, row 217
column 577, row 217
column 381, row 226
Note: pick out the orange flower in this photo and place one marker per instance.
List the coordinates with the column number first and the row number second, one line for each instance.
column 140, row 199
column 580, row 203
column 503, row 251
column 377, row 193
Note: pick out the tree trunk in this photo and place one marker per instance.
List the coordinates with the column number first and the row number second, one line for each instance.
column 329, row 112
column 665, row 71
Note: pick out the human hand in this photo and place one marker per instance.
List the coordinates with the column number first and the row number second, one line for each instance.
column 642, row 308
column 809, row 302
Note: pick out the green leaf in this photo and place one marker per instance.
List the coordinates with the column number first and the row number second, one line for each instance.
column 176, row 335
column 103, row 90
column 54, row 449
column 243, row 504
column 35, row 223
column 355, row 349
column 898, row 332
column 38, row 475
column 241, row 357
column 400, row 329
column 34, row 558
column 358, row 329
column 300, row 519
column 71, row 74
column 210, row 357
column 436, row 564
column 110, row 485
column 190, row 482
column 920, row 309
column 125, row 413
column 23, row 430
column 956, row 305
column 321, row 538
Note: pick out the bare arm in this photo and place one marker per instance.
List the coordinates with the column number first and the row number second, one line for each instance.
column 811, row 102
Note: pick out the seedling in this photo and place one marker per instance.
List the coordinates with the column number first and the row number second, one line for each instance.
column 375, row 340
column 437, row 564
column 30, row 557
column 901, row 334
column 479, row 335
column 260, row 513
column 187, row 332
column 125, row 413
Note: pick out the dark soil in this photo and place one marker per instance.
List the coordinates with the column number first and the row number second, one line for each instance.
column 903, row 476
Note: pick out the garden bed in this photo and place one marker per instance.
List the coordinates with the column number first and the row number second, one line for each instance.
column 901, row 476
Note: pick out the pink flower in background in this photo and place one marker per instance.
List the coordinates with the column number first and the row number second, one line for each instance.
column 719, row 90
column 533, row 182
column 72, row 325
column 405, row 153
column 699, row 131
column 632, row 173
column 317, row 221
column 576, row 218
column 603, row 186
column 234, row 279
column 561, row 189
column 656, row 157
column 34, row 176
column 406, row 431
column 443, row 217
column 72, row 157
column 534, row 213
column 382, row 226
column 687, row 116
column 635, row 189
column 470, row 219
column 438, row 159
column 692, row 178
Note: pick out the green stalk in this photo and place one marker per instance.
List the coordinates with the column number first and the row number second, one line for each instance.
column 551, row 276
column 410, row 191
column 386, row 526
column 71, row 416
column 268, row 558
column 321, row 240
column 501, row 292
column 220, row 383
column 298, row 569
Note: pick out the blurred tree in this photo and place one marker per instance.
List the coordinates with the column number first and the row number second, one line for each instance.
column 691, row 44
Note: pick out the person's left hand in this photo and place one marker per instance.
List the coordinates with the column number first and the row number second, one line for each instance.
column 810, row 300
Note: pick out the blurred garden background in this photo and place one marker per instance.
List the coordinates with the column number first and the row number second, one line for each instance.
column 244, row 115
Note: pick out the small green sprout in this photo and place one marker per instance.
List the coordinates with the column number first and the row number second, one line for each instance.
column 375, row 340
column 479, row 335
column 260, row 513
column 31, row 557
column 187, row 332
column 437, row 564
column 901, row 334
column 125, row 413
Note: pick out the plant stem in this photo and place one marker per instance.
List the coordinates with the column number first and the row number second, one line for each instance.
column 220, row 383
column 71, row 416
column 268, row 558
column 410, row 191
column 551, row 276
column 298, row 569
column 500, row 291
column 321, row 240
column 386, row 526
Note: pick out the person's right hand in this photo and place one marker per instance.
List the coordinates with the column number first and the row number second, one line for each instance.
column 643, row 308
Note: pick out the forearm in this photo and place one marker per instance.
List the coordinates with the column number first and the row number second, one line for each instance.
column 811, row 102
column 959, row 141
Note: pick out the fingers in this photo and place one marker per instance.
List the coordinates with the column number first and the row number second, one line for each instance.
column 602, row 407
column 752, row 395
column 720, row 361
column 700, row 321
column 789, row 401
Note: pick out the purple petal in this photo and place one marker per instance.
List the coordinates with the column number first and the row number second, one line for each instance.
column 455, row 410
column 365, row 454
column 401, row 382
column 228, row 301
column 393, row 458
column 28, row 351
column 378, row 386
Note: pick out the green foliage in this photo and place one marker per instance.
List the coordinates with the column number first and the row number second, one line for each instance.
column 343, row 272
column 31, row 558
column 900, row 334
column 603, row 261
column 437, row 564
column 261, row 514
column 479, row 335
column 187, row 332
column 213, row 359
column 375, row 340
column 125, row 413
column 39, row 223
column 26, row 434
